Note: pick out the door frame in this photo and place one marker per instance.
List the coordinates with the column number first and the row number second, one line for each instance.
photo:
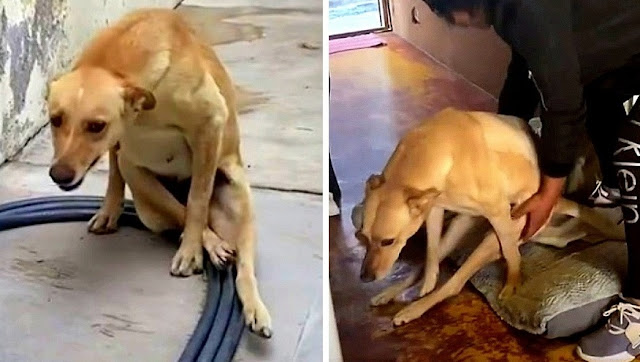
column 384, row 7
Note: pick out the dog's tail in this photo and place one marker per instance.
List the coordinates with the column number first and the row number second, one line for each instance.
column 591, row 217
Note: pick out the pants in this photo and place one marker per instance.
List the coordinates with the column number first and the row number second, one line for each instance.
column 334, row 186
column 615, row 137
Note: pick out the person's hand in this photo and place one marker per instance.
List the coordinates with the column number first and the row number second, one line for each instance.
column 539, row 206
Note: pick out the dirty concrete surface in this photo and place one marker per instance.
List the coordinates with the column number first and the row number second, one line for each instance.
column 97, row 310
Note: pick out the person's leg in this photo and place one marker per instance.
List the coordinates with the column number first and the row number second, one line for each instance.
column 618, row 339
column 605, row 113
column 627, row 162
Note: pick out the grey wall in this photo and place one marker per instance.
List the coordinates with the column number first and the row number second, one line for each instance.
column 39, row 38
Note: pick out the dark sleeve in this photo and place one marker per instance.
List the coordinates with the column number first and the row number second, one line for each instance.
column 542, row 34
column 519, row 96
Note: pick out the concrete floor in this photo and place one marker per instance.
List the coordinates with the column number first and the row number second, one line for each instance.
column 70, row 296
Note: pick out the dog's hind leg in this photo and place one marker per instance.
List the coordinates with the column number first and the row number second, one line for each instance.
column 391, row 292
column 560, row 236
column 231, row 216
column 158, row 209
column 435, row 218
column 458, row 228
column 508, row 232
column 589, row 216
column 485, row 253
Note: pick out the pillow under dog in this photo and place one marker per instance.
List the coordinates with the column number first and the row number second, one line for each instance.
column 564, row 291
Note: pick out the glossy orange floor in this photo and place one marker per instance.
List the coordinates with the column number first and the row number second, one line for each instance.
column 376, row 95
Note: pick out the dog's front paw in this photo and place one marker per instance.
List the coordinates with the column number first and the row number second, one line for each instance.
column 105, row 221
column 257, row 318
column 507, row 291
column 383, row 298
column 407, row 314
column 188, row 260
column 220, row 252
column 428, row 285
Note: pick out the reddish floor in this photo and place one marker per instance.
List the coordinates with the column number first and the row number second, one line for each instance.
column 376, row 95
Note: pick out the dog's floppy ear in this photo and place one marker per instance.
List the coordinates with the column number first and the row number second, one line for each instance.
column 139, row 98
column 419, row 200
column 374, row 181
column 49, row 84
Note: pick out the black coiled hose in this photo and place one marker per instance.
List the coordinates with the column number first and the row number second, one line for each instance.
column 220, row 326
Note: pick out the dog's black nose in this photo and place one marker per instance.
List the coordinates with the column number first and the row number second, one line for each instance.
column 62, row 174
column 366, row 276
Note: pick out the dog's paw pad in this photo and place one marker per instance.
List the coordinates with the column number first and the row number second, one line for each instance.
column 221, row 252
column 103, row 222
column 506, row 292
column 258, row 320
column 407, row 314
column 383, row 298
column 399, row 321
column 427, row 288
column 186, row 262
column 265, row 332
column 379, row 300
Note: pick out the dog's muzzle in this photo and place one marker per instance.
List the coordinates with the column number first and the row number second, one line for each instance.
column 64, row 176
column 366, row 275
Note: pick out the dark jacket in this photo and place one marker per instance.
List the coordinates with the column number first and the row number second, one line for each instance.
column 565, row 44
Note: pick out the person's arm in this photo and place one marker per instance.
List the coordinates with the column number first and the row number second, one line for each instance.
column 542, row 34
column 519, row 96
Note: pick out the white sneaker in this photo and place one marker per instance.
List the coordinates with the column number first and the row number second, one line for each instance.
column 618, row 340
column 604, row 196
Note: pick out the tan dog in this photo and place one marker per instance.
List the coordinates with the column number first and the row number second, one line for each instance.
column 155, row 96
column 476, row 164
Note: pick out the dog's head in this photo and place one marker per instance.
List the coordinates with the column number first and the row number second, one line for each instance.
column 391, row 215
column 88, row 109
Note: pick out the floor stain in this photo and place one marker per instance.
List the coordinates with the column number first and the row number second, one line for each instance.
column 221, row 25
column 54, row 269
column 118, row 323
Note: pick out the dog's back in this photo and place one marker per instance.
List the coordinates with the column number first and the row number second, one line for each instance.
column 466, row 153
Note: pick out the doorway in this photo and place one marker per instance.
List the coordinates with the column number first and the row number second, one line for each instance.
column 355, row 17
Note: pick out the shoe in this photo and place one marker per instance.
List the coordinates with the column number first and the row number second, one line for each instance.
column 604, row 196
column 618, row 340
column 334, row 210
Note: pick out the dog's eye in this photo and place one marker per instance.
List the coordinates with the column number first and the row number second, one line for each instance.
column 386, row 242
column 56, row 121
column 96, row 126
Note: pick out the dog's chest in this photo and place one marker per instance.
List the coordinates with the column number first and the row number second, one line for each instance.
column 164, row 151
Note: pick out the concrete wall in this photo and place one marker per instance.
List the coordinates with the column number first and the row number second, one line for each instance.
column 39, row 38
column 478, row 55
